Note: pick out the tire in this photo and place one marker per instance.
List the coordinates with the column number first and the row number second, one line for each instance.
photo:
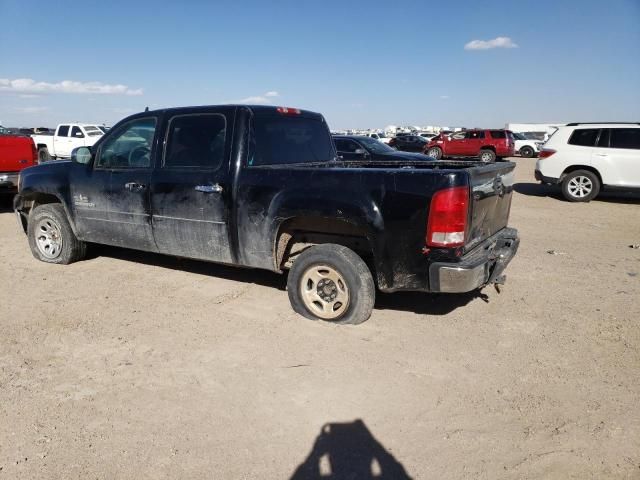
column 435, row 152
column 527, row 152
column 51, row 238
column 487, row 156
column 349, row 279
column 43, row 155
column 580, row 186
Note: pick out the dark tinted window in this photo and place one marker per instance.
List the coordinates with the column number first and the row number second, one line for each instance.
column 346, row 146
column 603, row 141
column 474, row 135
column 625, row 138
column 196, row 141
column 63, row 131
column 498, row 134
column 585, row 137
column 76, row 132
column 283, row 140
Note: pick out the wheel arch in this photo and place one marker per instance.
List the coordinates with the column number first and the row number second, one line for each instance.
column 25, row 202
column 588, row 168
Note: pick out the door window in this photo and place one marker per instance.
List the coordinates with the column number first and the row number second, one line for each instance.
column 130, row 147
column 625, row 138
column 585, row 137
column 498, row 134
column 77, row 133
column 603, row 141
column 63, row 131
column 476, row 135
column 196, row 141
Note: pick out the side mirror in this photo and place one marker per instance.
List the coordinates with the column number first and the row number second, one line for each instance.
column 81, row 155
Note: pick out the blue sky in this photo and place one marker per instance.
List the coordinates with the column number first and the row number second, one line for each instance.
column 362, row 64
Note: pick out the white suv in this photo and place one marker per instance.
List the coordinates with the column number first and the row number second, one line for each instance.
column 585, row 157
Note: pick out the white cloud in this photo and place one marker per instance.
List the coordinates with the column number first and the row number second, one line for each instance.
column 31, row 110
column 28, row 95
column 28, row 85
column 444, row 97
column 498, row 42
column 264, row 99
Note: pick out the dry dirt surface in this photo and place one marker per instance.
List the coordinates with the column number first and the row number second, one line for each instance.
column 133, row 365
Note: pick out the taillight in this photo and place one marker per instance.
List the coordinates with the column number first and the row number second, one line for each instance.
column 34, row 153
column 447, row 222
column 288, row 111
column 546, row 153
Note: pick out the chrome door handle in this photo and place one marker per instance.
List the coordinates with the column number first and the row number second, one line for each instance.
column 217, row 188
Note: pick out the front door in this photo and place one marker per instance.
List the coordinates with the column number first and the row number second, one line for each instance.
column 190, row 188
column 115, row 208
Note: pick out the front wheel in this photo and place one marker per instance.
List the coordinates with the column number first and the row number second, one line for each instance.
column 332, row 283
column 580, row 186
column 435, row 152
column 51, row 238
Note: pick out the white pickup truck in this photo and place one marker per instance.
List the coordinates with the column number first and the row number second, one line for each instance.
column 66, row 137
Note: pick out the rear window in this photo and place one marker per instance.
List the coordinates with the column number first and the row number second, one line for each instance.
column 498, row 134
column 584, row 137
column 278, row 140
column 625, row 138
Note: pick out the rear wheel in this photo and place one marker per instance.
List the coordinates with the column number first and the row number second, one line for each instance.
column 487, row 156
column 51, row 238
column 332, row 283
column 43, row 155
column 526, row 152
column 580, row 186
column 435, row 152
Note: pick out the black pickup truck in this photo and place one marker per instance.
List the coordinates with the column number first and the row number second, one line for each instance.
column 263, row 187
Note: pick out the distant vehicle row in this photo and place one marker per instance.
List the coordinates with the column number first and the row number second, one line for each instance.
column 66, row 137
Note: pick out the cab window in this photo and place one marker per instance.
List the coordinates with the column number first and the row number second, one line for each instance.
column 196, row 141
column 130, row 147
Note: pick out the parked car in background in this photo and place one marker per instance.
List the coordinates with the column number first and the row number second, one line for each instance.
column 428, row 136
column 103, row 128
column 488, row 145
column 381, row 137
column 17, row 152
column 261, row 187
column 352, row 147
column 586, row 158
column 408, row 143
column 66, row 137
column 526, row 147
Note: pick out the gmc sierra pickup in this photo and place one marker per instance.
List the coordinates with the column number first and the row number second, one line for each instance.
column 263, row 187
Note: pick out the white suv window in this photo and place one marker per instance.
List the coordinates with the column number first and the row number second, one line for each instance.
column 625, row 138
column 584, row 137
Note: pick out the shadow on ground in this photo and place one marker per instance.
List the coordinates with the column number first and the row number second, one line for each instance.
column 349, row 451
column 553, row 191
column 6, row 202
column 415, row 302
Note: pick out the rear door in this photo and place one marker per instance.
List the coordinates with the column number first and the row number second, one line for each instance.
column 491, row 192
column 457, row 144
column 191, row 187
column 617, row 156
column 474, row 140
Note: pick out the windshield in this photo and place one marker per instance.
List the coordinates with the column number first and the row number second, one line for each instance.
column 374, row 146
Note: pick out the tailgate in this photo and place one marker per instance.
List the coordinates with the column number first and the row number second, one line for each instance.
column 492, row 188
column 15, row 153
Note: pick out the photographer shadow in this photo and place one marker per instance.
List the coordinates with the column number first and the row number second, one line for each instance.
column 349, row 451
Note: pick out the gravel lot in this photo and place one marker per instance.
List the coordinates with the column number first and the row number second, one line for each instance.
column 132, row 365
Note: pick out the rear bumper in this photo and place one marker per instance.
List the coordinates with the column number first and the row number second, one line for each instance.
column 482, row 266
column 543, row 179
column 9, row 181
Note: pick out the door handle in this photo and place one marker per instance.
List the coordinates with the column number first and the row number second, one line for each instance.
column 217, row 188
column 134, row 186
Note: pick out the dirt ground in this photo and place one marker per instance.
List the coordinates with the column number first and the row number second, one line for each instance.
column 132, row 365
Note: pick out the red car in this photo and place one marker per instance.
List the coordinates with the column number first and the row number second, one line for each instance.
column 489, row 145
column 16, row 152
